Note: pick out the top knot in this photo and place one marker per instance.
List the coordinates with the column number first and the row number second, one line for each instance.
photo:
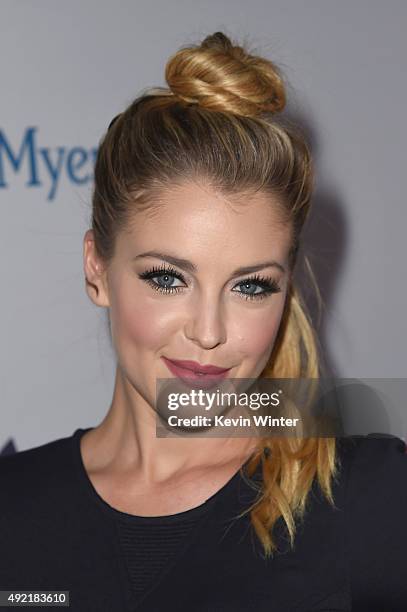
column 221, row 76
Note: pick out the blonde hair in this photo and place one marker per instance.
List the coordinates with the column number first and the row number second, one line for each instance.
column 218, row 120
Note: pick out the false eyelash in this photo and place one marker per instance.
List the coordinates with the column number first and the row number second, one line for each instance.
column 158, row 271
column 269, row 285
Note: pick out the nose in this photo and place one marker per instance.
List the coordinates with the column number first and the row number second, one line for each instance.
column 206, row 324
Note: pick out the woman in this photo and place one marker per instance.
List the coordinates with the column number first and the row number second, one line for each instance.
column 201, row 192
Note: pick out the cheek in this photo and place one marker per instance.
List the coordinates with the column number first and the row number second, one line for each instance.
column 256, row 332
column 139, row 322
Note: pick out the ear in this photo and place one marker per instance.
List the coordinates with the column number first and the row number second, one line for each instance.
column 95, row 272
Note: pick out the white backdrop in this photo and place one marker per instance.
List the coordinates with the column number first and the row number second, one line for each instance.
column 68, row 68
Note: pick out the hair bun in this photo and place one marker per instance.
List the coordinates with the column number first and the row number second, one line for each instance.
column 221, row 76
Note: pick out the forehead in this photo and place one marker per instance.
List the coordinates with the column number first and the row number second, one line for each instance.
column 195, row 217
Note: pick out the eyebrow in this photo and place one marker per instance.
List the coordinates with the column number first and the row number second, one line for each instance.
column 188, row 266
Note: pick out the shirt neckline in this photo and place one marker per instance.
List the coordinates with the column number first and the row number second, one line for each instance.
column 186, row 515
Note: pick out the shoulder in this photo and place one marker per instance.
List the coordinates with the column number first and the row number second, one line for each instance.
column 28, row 461
column 34, row 473
column 375, row 470
column 375, row 517
column 374, row 458
column 368, row 450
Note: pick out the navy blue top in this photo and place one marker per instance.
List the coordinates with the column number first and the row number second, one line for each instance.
column 57, row 533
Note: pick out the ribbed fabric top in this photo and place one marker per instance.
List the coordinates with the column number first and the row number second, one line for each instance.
column 150, row 548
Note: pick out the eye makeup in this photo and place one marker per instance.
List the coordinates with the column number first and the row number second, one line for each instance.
column 267, row 285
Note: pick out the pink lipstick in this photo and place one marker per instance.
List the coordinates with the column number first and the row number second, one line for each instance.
column 194, row 372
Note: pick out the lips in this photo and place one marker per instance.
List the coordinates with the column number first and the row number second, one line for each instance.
column 197, row 367
column 191, row 371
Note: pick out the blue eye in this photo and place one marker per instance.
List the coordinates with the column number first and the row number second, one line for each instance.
column 268, row 286
column 166, row 275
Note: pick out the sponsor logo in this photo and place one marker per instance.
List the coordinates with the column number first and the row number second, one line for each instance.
column 43, row 166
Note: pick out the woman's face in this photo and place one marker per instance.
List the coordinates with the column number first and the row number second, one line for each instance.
column 204, row 310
